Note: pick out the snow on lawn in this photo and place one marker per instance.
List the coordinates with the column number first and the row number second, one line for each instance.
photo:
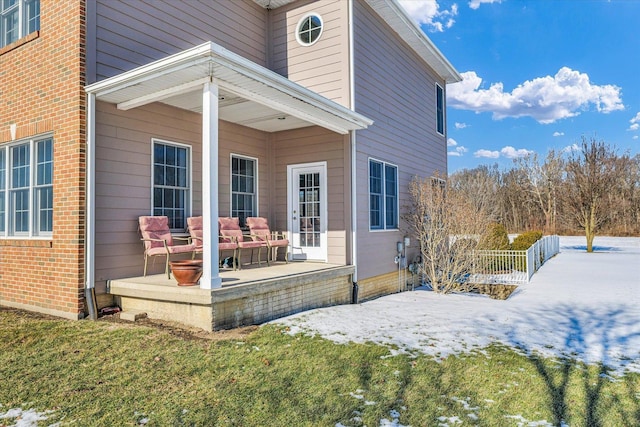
column 581, row 305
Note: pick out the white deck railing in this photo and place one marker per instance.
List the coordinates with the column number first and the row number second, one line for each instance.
column 513, row 267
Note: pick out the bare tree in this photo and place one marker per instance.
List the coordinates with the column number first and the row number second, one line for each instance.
column 591, row 174
column 542, row 183
column 447, row 224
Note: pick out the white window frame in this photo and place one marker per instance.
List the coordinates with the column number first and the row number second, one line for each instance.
column 384, row 227
column 21, row 8
column 440, row 110
column 301, row 22
column 33, row 218
column 189, row 188
column 255, row 192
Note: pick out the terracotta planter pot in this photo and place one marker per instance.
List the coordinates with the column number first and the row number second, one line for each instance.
column 187, row 272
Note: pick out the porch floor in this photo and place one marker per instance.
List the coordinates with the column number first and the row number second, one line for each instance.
column 249, row 274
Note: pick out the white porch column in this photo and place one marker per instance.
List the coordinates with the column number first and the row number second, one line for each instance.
column 211, row 263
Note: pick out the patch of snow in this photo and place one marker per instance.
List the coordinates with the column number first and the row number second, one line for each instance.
column 579, row 305
column 25, row 418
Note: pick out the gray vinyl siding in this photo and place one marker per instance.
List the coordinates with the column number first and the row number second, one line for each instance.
column 131, row 33
column 322, row 67
column 309, row 145
column 123, row 176
column 396, row 89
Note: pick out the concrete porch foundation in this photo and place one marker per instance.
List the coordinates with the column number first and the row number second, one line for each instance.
column 248, row 297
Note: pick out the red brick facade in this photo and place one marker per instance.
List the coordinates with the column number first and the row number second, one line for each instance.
column 41, row 92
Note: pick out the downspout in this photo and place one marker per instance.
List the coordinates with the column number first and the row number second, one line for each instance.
column 89, row 249
column 354, row 216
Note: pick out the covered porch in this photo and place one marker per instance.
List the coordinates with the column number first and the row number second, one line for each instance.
column 229, row 93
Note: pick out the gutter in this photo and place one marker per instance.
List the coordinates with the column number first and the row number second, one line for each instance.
column 90, row 229
column 354, row 210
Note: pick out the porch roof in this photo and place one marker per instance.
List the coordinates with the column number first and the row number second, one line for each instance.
column 249, row 94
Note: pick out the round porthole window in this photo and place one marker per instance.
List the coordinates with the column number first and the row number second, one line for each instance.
column 309, row 29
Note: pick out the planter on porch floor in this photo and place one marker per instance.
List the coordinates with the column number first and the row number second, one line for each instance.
column 187, row 272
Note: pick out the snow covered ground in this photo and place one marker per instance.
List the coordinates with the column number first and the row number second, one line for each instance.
column 582, row 305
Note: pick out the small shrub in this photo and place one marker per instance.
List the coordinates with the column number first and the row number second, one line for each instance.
column 495, row 238
column 525, row 240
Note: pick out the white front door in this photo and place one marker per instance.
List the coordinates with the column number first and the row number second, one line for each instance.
column 307, row 207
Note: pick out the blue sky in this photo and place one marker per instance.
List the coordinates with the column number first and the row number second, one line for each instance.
column 538, row 75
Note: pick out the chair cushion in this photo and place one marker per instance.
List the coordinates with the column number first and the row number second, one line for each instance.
column 227, row 246
column 251, row 244
column 155, row 227
column 194, row 224
column 278, row 242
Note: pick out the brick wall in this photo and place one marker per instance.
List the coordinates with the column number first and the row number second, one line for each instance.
column 41, row 91
column 376, row 286
column 260, row 307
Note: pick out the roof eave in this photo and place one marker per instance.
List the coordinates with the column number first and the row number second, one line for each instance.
column 412, row 34
column 210, row 55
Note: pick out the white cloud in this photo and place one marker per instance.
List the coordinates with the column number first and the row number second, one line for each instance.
column 570, row 148
column 427, row 12
column 488, row 154
column 459, row 151
column 474, row 4
column 509, row 152
column 635, row 123
column 635, row 137
column 461, row 125
column 545, row 99
column 512, row 153
column 558, row 134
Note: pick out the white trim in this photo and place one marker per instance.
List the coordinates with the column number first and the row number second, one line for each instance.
column 354, row 152
column 189, row 201
column 162, row 94
column 299, row 24
column 324, row 209
column 90, row 271
column 214, row 61
column 256, row 195
column 384, row 196
column 400, row 22
column 32, row 233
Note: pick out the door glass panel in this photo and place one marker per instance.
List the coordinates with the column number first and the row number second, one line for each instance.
column 309, row 209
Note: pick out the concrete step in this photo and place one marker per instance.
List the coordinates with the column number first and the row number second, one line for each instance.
column 132, row 315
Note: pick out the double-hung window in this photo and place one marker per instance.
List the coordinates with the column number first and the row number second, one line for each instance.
column 172, row 182
column 243, row 187
column 439, row 109
column 17, row 19
column 383, row 196
column 26, row 188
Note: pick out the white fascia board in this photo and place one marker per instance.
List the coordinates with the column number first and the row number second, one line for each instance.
column 270, row 78
column 398, row 19
column 214, row 56
column 185, row 59
column 163, row 94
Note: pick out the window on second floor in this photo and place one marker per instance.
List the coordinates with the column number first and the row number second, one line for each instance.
column 171, row 183
column 439, row 109
column 383, row 196
column 244, row 179
column 17, row 19
column 26, row 188
column 309, row 29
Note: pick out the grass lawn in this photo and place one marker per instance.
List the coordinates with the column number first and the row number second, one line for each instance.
column 107, row 373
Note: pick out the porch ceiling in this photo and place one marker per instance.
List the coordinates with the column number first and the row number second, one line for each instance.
column 249, row 94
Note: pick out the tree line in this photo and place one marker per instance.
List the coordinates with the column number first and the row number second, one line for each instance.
column 590, row 190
